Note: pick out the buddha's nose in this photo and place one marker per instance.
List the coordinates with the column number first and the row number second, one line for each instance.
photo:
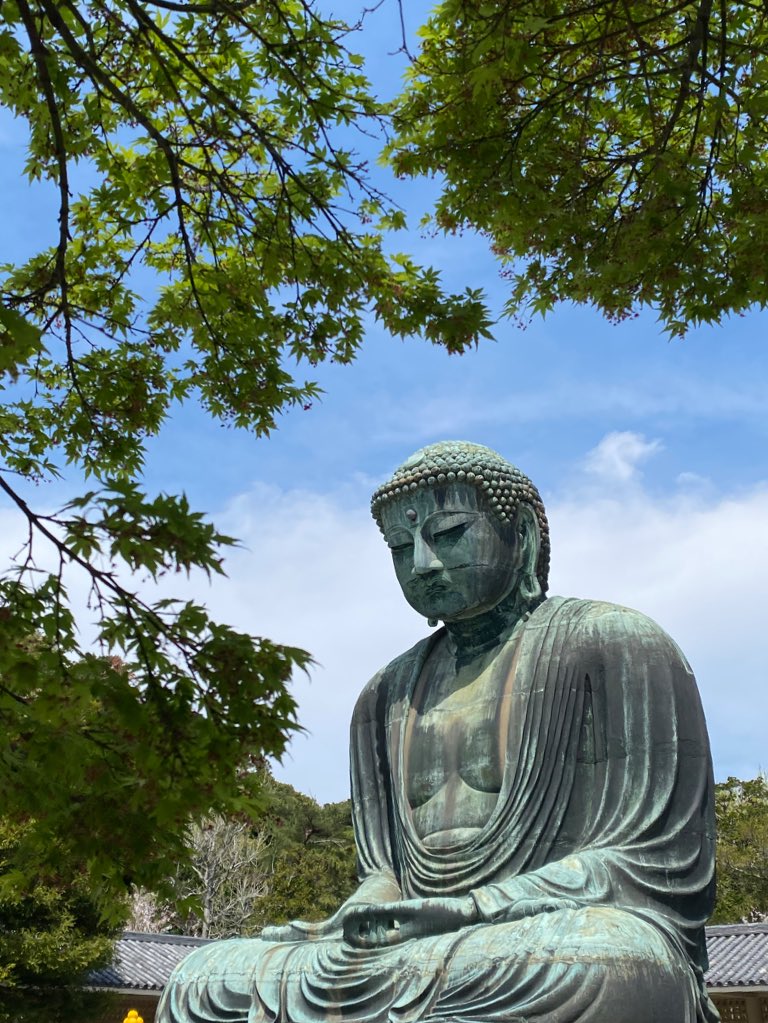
column 424, row 560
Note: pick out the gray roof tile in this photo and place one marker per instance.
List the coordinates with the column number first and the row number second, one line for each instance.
column 144, row 961
column 738, row 955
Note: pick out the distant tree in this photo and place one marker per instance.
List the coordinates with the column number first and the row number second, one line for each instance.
column 216, row 889
column 215, row 230
column 51, row 934
column 313, row 859
column 148, row 914
column 742, row 850
column 295, row 861
column 614, row 153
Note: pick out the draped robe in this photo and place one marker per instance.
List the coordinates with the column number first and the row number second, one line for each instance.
column 593, row 876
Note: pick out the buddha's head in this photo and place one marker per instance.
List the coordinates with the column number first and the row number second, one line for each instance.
column 467, row 531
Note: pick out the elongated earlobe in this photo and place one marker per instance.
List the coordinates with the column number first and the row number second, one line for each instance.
column 528, row 588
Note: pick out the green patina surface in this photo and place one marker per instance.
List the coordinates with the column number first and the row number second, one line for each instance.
column 532, row 796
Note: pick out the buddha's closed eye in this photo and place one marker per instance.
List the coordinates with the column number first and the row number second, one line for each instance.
column 451, row 534
column 401, row 546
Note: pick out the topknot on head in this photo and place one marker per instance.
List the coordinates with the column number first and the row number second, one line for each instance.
column 459, row 461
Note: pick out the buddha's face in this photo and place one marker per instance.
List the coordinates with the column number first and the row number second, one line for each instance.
column 453, row 557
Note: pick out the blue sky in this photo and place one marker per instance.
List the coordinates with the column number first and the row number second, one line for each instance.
column 650, row 454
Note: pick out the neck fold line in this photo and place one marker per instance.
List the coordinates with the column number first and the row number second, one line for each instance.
column 471, row 636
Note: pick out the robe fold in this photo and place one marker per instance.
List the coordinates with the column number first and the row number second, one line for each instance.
column 593, row 876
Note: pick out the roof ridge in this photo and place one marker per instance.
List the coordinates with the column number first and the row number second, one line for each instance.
column 725, row 929
column 164, row 939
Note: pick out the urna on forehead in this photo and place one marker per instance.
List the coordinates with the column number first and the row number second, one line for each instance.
column 502, row 484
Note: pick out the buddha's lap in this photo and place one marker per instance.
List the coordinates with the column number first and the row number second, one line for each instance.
column 608, row 942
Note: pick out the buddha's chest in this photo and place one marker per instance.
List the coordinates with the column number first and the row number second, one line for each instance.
column 454, row 742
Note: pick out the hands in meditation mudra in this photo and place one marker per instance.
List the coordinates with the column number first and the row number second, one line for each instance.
column 531, row 792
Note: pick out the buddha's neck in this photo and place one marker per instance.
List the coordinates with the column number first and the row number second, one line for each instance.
column 470, row 637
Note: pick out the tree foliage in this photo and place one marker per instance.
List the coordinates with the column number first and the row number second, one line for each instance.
column 216, row 231
column 313, row 861
column 50, row 934
column 742, row 850
column 57, row 1005
column 614, row 153
column 104, row 760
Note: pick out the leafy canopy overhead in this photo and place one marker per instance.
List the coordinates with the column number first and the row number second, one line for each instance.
column 215, row 231
column 614, row 153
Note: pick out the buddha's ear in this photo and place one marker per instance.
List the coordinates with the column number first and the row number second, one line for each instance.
column 528, row 538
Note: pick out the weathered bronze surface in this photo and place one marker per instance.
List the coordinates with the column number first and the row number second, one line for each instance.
column 532, row 797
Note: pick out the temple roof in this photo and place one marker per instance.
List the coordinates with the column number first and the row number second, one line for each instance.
column 143, row 962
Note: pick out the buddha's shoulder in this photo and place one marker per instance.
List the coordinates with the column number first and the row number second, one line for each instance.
column 399, row 670
column 601, row 613
column 599, row 623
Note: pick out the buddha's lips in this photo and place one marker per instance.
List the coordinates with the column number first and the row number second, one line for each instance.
column 431, row 587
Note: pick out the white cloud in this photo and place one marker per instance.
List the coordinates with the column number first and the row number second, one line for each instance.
column 458, row 411
column 698, row 566
column 694, row 481
column 617, row 457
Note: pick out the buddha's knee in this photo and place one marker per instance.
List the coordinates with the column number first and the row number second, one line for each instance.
column 589, row 934
column 607, row 934
column 213, row 982
column 588, row 965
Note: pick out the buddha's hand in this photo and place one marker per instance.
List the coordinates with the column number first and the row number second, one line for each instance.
column 302, row 930
column 395, row 922
column 297, row 930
